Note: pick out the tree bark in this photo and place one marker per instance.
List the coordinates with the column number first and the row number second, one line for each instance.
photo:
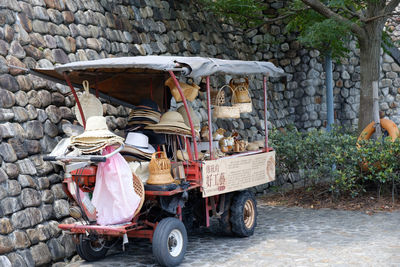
column 370, row 47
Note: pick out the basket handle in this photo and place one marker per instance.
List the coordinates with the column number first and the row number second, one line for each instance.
column 154, row 155
column 85, row 84
column 232, row 81
column 219, row 93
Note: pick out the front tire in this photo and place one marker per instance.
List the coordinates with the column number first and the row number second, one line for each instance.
column 91, row 250
column 244, row 214
column 170, row 242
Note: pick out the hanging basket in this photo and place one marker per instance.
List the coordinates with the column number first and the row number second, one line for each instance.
column 243, row 107
column 189, row 91
column 217, row 98
column 240, row 91
column 224, row 112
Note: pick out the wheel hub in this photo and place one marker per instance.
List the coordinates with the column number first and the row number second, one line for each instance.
column 97, row 245
column 175, row 242
column 249, row 214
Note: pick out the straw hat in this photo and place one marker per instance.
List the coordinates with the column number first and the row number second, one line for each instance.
column 189, row 91
column 195, row 118
column 91, row 106
column 96, row 127
column 138, row 143
column 96, row 136
column 170, row 121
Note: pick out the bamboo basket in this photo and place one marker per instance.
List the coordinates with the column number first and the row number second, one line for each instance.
column 215, row 98
column 224, row 112
column 241, row 97
column 243, row 107
column 240, row 91
column 160, row 169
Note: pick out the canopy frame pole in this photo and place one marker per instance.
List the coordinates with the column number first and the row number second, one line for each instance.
column 76, row 98
column 265, row 110
column 210, row 137
column 178, row 86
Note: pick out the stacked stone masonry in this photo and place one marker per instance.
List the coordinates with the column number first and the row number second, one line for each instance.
column 35, row 114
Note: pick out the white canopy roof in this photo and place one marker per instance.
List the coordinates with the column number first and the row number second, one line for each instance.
column 192, row 66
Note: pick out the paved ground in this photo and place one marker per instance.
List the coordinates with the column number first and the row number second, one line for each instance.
column 287, row 237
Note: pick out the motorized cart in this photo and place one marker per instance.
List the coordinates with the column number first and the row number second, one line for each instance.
column 213, row 186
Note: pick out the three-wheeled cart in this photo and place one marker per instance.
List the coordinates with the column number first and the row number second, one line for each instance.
column 213, row 187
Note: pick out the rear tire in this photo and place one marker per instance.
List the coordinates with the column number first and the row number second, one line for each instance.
column 169, row 242
column 91, row 250
column 244, row 214
column 225, row 225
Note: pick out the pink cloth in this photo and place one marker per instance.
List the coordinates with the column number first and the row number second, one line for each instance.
column 114, row 196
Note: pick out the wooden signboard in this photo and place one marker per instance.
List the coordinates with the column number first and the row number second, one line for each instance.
column 230, row 174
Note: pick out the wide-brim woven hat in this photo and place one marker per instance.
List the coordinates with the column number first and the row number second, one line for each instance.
column 96, row 136
column 90, row 104
column 170, row 120
column 96, row 128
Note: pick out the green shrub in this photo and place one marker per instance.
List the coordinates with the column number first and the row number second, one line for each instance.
column 335, row 158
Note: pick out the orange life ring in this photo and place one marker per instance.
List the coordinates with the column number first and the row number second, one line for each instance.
column 386, row 124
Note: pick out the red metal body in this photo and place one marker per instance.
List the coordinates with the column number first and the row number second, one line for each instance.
column 86, row 177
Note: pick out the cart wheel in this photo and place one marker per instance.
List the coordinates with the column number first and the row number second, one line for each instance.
column 244, row 214
column 225, row 226
column 91, row 250
column 169, row 242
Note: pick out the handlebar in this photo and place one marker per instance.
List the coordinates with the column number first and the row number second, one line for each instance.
column 83, row 158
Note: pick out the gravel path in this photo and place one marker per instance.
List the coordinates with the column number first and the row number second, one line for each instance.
column 286, row 237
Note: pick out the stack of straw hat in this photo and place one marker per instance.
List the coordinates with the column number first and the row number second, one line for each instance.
column 171, row 122
column 146, row 113
column 96, row 136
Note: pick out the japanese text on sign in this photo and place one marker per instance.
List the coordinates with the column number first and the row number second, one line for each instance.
column 231, row 174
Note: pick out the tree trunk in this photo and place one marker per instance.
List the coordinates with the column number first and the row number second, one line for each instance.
column 370, row 47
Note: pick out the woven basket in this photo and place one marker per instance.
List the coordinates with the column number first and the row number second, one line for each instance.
column 160, row 169
column 240, row 91
column 139, row 190
column 189, row 91
column 215, row 98
column 238, row 98
column 225, row 111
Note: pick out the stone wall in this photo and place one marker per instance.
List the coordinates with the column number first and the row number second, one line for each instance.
column 35, row 114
